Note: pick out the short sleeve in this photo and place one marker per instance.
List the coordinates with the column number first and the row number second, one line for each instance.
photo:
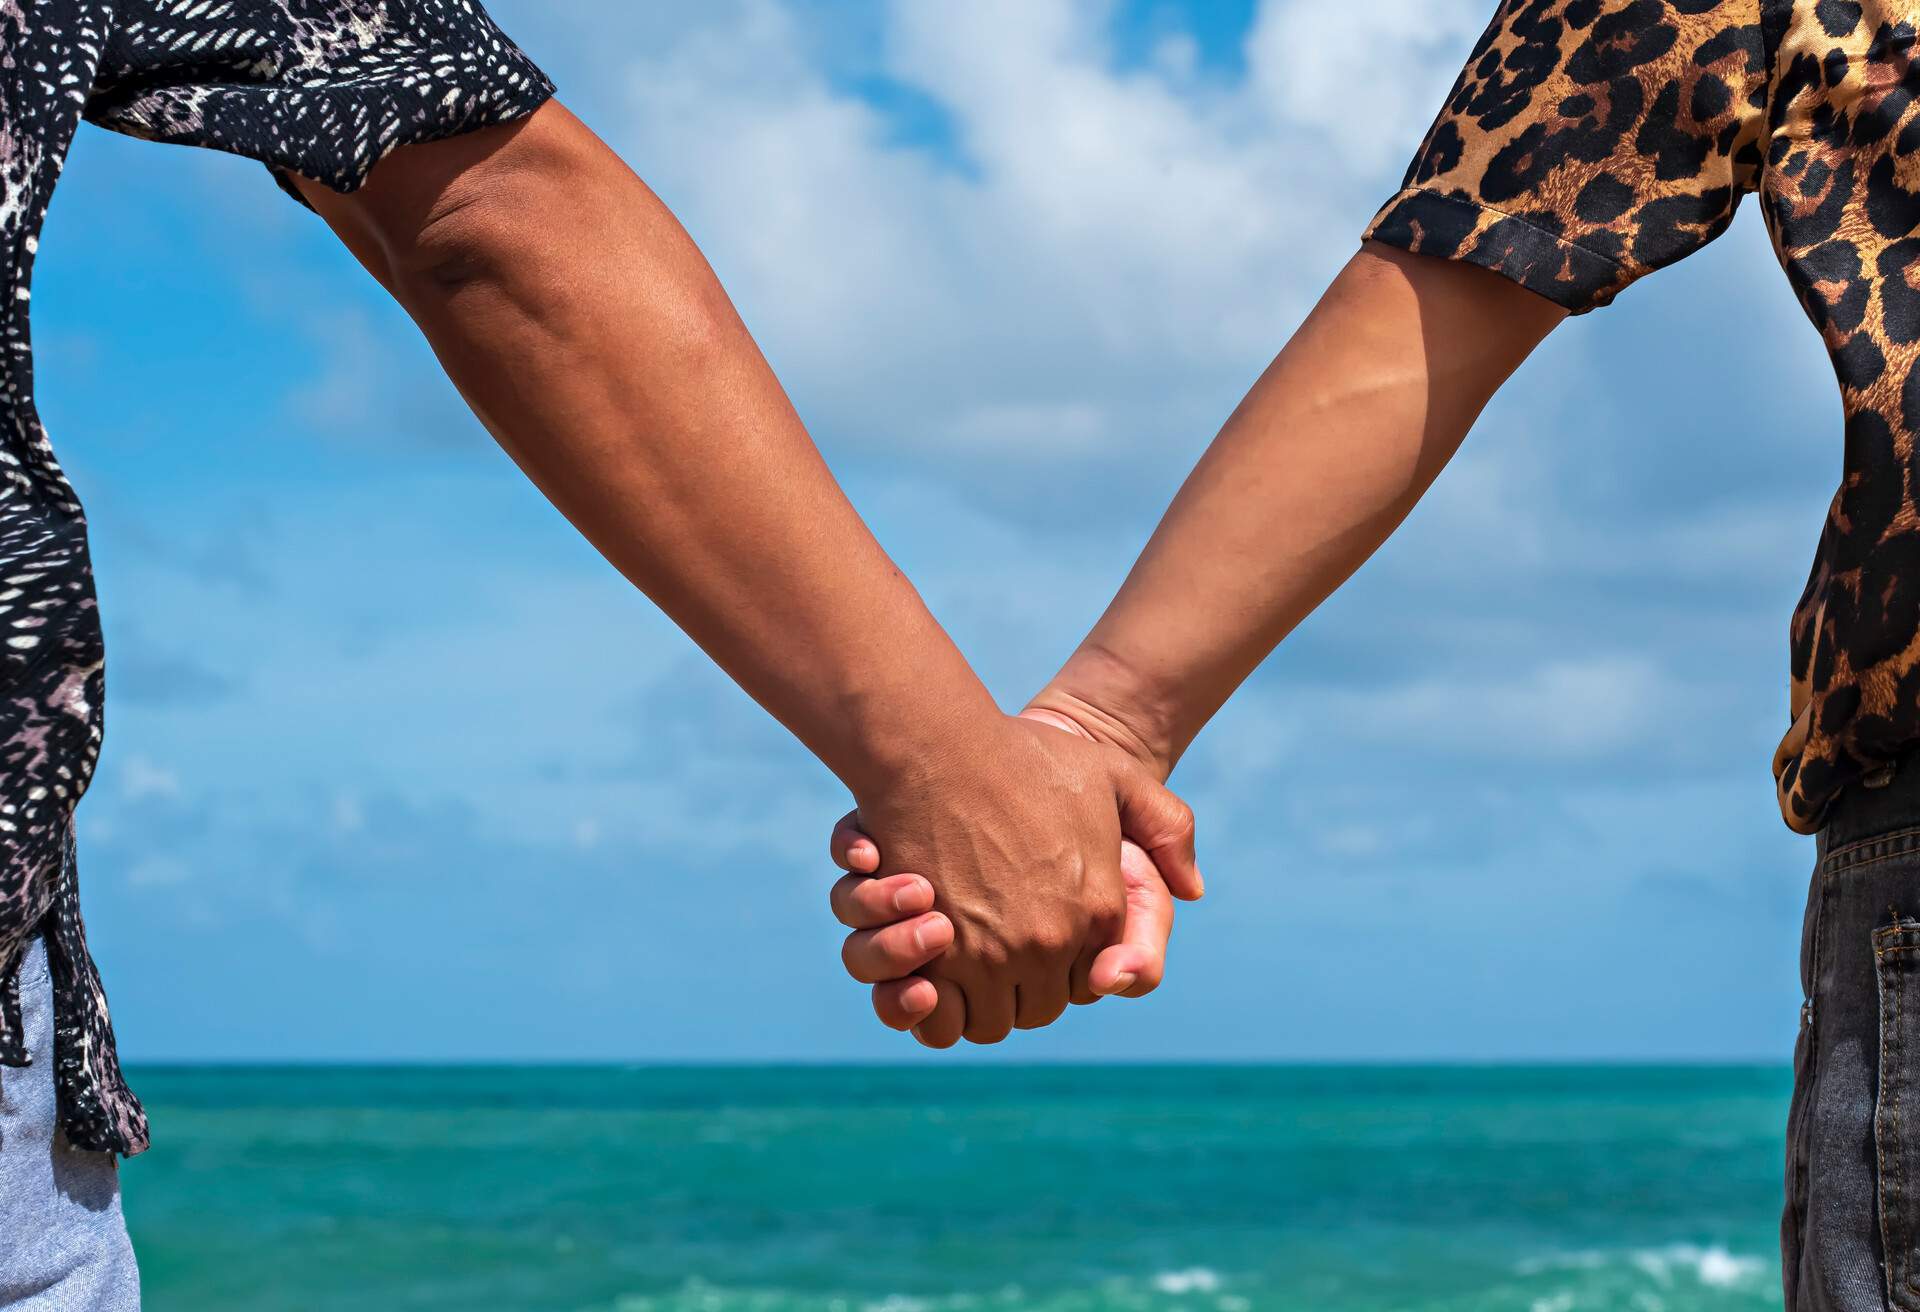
column 1589, row 142
column 321, row 88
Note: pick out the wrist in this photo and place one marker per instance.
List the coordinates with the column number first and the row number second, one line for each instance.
column 1108, row 700
column 911, row 740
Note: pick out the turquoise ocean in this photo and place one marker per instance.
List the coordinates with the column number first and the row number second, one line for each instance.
column 966, row 1188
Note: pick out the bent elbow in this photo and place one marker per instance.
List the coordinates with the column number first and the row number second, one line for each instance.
column 482, row 235
column 568, row 236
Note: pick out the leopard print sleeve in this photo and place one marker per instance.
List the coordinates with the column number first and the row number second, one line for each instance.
column 1588, row 142
column 320, row 88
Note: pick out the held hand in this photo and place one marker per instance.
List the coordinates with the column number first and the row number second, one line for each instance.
column 896, row 931
column 1121, row 948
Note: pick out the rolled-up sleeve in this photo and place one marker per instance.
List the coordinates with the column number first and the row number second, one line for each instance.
column 320, row 88
column 1589, row 142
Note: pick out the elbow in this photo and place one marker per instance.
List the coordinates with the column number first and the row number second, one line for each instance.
column 497, row 216
column 479, row 235
column 562, row 233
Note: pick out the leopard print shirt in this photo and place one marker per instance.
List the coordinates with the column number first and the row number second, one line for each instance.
column 1588, row 142
column 318, row 88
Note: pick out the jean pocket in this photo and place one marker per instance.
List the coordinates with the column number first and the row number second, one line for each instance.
column 1896, row 1112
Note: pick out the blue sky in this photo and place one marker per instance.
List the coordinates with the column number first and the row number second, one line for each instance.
column 396, row 767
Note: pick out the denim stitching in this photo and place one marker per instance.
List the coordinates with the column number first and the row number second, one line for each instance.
column 1886, row 1115
column 1892, row 941
column 1800, row 1145
column 1877, row 847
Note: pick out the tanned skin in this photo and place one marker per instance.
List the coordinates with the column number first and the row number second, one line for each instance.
column 587, row 332
column 1323, row 459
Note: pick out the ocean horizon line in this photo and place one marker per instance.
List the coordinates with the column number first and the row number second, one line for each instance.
column 969, row 1065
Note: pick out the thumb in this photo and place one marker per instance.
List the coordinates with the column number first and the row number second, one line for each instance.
column 1133, row 967
column 1162, row 824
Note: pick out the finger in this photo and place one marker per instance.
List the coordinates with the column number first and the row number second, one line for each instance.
column 1040, row 1003
column 873, row 955
column 1133, row 967
column 1162, row 824
column 990, row 1010
column 1080, row 979
column 863, row 902
column 949, row 1019
column 851, row 848
column 903, row 1003
column 1108, row 928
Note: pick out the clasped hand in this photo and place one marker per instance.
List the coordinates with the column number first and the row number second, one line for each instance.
column 1033, row 869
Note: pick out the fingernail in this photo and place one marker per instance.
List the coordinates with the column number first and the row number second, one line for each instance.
column 1122, row 982
column 929, row 934
column 908, row 893
column 862, row 852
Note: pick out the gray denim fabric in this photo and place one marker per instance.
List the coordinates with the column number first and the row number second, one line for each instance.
column 63, row 1241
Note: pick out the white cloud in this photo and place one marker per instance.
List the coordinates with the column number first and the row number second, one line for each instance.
column 1067, row 301
column 1308, row 58
column 1123, row 245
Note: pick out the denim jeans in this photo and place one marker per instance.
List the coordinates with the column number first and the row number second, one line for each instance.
column 63, row 1242
column 1850, row 1234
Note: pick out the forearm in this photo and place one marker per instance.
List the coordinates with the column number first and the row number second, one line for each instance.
column 1316, row 468
column 588, row 333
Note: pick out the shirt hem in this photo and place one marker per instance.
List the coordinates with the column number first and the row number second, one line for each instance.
column 1451, row 226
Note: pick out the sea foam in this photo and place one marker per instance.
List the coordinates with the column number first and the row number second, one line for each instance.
column 1712, row 1265
column 1194, row 1280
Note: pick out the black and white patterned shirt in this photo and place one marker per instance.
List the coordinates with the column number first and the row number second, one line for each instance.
column 319, row 88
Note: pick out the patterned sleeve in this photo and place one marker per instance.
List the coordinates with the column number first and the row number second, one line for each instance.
column 1588, row 142
column 320, row 88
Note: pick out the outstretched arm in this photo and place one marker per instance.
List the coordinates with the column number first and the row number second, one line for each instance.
column 1324, row 458
column 1328, row 453
column 586, row 331
column 1526, row 200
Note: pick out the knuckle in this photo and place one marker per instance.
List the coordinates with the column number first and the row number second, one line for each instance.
column 1053, row 940
column 897, row 950
column 892, row 1013
column 870, row 900
column 841, row 837
column 990, row 954
column 842, row 898
column 855, row 956
column 1040, row 1018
